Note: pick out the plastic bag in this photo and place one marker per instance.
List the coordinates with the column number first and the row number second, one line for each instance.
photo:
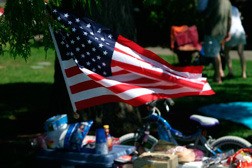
column 60, row 134
column 241, row 159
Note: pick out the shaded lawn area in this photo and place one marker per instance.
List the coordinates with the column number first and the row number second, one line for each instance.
column 24, row 107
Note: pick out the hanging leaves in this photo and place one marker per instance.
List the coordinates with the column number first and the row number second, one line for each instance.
column 24, row 19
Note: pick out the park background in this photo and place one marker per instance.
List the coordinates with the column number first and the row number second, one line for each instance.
column 27, row 87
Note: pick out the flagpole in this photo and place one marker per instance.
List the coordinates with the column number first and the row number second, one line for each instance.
column 60, row 61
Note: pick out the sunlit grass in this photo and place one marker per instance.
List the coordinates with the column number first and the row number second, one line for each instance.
column 39, row 67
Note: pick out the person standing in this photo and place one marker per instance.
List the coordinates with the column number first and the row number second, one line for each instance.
column 238, row 39
column 217, row 20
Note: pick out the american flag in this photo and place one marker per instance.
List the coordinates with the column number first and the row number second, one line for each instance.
column 101, row 66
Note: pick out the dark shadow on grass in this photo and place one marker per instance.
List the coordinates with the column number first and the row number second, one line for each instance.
column 233, row 92
column 24, row 107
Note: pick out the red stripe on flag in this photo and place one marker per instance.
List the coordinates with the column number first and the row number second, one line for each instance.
column 143, row 81
column 82, row 86
column 123, row 87
column 158, row 75
column 126, row 42
column 72, row 71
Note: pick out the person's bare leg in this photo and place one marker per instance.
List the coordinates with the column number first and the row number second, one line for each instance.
column 228, row 61
column 240, row 50
column 218, row 69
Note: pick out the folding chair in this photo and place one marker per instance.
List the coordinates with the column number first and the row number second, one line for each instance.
column 185, row 42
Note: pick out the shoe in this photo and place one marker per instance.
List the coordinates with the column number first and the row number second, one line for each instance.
column 230, row 76
column 217, row 80
column 204, row 75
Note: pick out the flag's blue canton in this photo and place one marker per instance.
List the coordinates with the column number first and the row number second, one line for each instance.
column 88, row 43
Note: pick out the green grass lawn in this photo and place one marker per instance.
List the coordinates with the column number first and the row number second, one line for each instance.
column 37, row 68
column 26, row 91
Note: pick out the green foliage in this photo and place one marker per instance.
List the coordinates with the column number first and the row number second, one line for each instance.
column 3, row 34
column 25, row 19
column 78, row 6
column 157, row 11
column 182, row 12
column 176, row 12
column 153, row 2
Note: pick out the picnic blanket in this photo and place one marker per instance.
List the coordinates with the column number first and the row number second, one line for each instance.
column 239, row 112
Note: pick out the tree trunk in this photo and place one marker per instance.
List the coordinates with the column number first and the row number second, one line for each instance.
column 118, row 15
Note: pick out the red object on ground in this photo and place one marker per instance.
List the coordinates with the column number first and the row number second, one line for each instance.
column 1, row 11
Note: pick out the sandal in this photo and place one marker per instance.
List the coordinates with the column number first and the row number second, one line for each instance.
column 217, row 80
